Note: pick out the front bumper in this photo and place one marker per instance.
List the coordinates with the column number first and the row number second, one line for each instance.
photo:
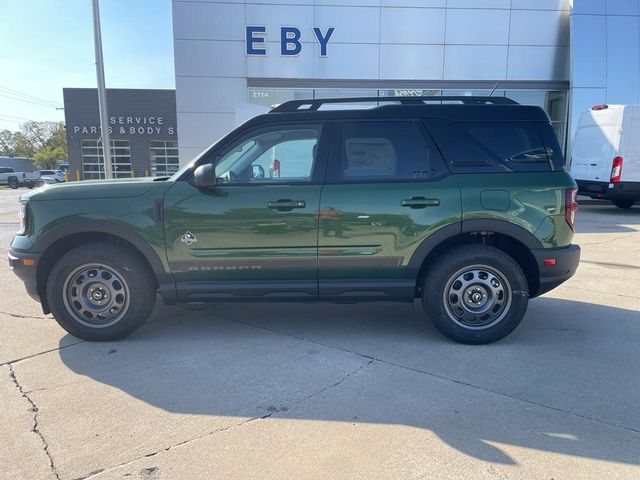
column 609, row 191
column 566, row 263
column 25, row 266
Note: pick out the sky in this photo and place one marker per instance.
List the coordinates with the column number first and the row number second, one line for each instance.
column 46, row 45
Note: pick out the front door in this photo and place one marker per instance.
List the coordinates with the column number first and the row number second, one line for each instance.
column 255, row 233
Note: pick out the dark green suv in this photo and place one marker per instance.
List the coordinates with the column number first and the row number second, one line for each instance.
column 462, row 202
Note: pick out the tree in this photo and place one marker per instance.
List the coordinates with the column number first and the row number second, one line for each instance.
column 6, row 143
column 45, row 142
column 48, row 158
column 53, row 144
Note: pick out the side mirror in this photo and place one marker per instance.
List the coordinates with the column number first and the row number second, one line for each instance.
column 205, row 176
column 257, row 172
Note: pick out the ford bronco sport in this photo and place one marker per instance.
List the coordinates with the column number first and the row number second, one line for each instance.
column 462, row 202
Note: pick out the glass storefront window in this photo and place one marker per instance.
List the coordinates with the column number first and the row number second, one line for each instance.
column 164, row 157
column 554, row 102
column 93, row 159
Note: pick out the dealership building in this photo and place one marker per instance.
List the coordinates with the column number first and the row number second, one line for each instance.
column 234, row 59
column 238, row 58
column 142, row 126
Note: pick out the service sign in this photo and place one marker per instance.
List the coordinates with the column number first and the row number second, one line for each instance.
column 131, row 125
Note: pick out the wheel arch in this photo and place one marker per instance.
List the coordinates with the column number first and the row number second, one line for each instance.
column 512, row 239
column 65, row 237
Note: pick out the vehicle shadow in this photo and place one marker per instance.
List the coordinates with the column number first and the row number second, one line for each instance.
column 565, row 382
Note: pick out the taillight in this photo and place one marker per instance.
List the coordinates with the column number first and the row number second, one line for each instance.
column 616, row 170
column 570, row 206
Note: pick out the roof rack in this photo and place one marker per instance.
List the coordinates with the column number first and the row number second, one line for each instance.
column 313, row 105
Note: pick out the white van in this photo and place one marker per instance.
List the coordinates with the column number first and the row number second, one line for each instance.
column 605, row 158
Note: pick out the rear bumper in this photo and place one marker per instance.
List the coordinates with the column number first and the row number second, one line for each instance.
column 609, row 191
column 566, row 263
column 26, row 271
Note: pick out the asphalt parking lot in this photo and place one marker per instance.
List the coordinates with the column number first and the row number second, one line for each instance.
column 333, row 391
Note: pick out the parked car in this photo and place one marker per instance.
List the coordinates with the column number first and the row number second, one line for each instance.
column 464, row 204
column 51, row 176
column 605, row 159
column 8, row 176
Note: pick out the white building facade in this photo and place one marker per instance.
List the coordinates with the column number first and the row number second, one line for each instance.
column 237, row 58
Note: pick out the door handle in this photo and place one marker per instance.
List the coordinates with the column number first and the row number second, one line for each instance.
column 420, row 202
column 286, row 204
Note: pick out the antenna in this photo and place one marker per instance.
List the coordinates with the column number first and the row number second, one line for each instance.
column 494, row 88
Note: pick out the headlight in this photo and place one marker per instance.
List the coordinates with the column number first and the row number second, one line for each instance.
column 23, row 218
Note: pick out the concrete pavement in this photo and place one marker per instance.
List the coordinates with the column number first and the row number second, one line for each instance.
column 334, row 391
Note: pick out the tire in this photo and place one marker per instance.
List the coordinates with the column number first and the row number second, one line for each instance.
column 490, row 278
column 13, row 183
column 623, row 203
column 117, row 297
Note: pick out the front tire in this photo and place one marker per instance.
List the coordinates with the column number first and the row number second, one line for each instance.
column 101, row 291
column 624, row 203
column 475, row 294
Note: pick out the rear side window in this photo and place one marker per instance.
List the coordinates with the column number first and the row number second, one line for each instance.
column 492, row 146
column 379, row 150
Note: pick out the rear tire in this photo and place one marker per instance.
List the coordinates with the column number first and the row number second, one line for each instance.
column 13, row 183
column 475, row 294
column 623, row 203
column 101, row 291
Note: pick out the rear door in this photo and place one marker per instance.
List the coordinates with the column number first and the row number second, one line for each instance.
column 386, row 190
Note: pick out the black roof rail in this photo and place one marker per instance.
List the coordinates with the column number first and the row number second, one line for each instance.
column 313, row 105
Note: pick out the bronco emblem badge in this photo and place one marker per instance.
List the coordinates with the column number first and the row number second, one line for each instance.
column 188, row 238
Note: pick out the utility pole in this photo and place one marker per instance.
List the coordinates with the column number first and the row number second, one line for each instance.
column 102, row 93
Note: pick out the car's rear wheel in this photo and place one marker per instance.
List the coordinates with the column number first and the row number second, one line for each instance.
column 101, row 291
column 13, row 183
column 475, row 294
column 624, row 203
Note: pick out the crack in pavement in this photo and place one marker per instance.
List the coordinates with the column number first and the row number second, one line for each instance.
column 445, row 378
column 27, row 357
column 17, row 360
column 233, row 426
column 35, row 428
column 19, row 315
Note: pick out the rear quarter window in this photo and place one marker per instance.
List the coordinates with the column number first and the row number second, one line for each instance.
column 495, row 146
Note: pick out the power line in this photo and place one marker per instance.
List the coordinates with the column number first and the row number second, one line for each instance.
column 11, row 91
column 11, row 121
column 14, row 116
column 25, row 100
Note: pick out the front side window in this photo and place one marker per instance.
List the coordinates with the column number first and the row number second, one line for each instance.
column 278, row 154
column 375, row 150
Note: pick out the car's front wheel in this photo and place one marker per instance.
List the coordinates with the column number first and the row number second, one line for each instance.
column 475, row 294
column 101, row 291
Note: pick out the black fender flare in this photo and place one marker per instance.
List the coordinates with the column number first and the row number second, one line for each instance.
column 108, row 228
column 468, row 226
